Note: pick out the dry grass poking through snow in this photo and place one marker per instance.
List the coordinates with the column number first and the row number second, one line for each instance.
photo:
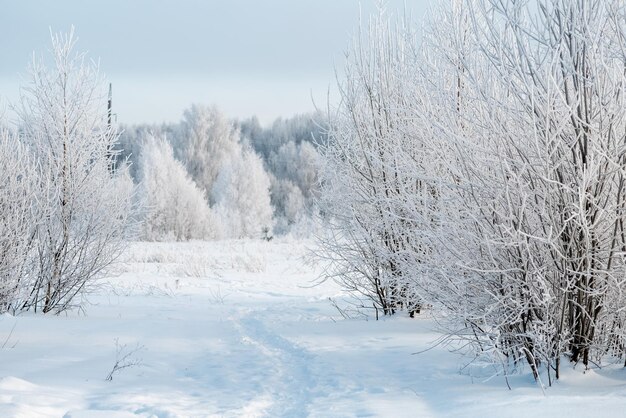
column 236, row 329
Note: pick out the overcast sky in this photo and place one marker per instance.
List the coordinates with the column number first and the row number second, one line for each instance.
column 263, row 57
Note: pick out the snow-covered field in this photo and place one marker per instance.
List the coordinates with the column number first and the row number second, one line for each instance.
column 236, row 328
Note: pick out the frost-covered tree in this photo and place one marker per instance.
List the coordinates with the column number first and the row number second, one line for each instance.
column 206, row 140
column 84, row 205
column 241, row 196
column 556, row 126
column 289, row 151
column 17, row 217
column 297, row 163
column 132, row 139
column 368, row 170
column 287, row 200
column 232, row 174
column 309, row 127
column 307, row 175
column 175, row 208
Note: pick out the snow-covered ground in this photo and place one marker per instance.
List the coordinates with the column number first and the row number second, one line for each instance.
column 236, row 328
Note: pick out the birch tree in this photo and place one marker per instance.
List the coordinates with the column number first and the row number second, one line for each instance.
column 242, row 196
column 17, row 217
column 206, row 141
column 175, row 208
column 85, row 206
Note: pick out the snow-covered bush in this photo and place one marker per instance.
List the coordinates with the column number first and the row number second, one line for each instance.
column 175, row 208
column 487, row 179
column 534, row 178
column 371, row 166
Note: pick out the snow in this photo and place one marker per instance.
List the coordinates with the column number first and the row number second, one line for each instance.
column 236, row 328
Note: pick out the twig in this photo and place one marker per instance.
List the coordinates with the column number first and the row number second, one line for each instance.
column 124, row 359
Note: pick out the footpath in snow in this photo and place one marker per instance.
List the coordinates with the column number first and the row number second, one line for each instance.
column 237, row 328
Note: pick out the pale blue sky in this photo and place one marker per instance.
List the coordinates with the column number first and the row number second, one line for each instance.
column 264, row 57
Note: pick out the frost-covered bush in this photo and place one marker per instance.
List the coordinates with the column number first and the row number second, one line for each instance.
column 538, row 178
column 487, row 177
column 371, row 166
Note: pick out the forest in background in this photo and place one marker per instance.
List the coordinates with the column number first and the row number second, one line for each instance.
column 209, row 177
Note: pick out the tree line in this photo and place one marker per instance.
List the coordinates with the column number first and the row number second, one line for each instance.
column 209, row 177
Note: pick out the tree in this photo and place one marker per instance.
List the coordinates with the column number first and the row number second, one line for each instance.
column 207, row 139
column 297, row 163
column 307, row 176
column 287, row 200
column 241, row 196
column 85, row 206
column 175, row 207
column 557, row 127
column 536, row 167
column 364, row 175
column 17, row 218
column 132, row 139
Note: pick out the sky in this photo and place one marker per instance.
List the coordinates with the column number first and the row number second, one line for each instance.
column 268, row 58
